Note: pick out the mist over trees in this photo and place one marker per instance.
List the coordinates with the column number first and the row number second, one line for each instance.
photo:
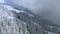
column 49, row 9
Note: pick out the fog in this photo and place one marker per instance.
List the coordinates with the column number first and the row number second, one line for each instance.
column 49, row 9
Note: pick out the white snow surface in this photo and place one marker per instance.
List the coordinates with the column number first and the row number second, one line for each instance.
column 2, row 1
column 52, row 33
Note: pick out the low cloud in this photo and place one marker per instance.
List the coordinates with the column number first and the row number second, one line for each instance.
column 49, row 9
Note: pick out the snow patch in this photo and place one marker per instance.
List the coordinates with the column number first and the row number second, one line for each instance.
column 51, row 33
column 8, row 7
column 2, row 1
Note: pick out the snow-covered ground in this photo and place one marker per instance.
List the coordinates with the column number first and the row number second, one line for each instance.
column 51, row 33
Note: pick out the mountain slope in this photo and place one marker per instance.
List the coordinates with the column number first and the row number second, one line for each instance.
column 24, row 18
column 28, row 16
